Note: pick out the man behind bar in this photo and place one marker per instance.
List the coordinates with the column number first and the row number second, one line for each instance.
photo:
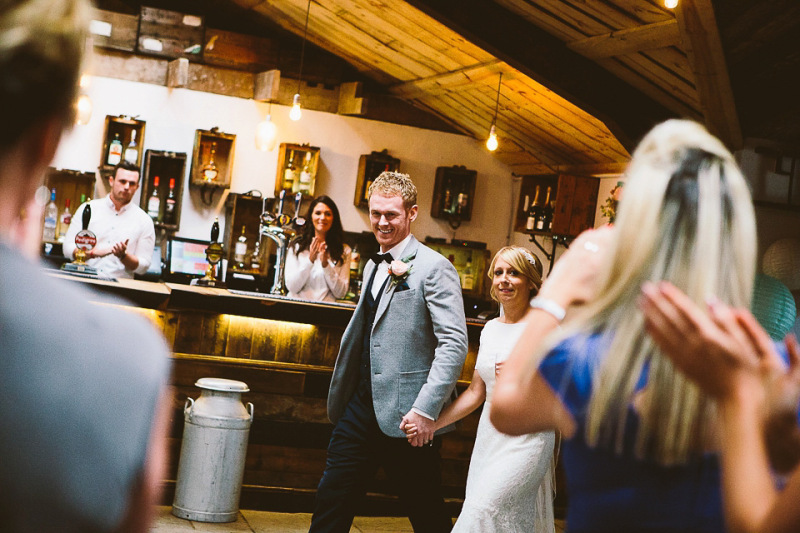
column 82, row 409
column 398, row 363
column 125, row 234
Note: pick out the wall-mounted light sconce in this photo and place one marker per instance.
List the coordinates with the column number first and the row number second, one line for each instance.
column 296, row 113
column 491, row 142
column 83, row 105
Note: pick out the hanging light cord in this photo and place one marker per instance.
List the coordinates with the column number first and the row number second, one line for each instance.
column 303, row 48
column 497, row 103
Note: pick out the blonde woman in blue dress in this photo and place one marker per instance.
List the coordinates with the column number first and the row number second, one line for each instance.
column 509, row 484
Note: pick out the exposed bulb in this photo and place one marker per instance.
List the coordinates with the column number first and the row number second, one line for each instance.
column 491, row 142
column 671, row 4
column 266, row 135
column 296, row 113
column 83, row 110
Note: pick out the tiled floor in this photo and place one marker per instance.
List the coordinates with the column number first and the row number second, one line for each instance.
column 265, row 522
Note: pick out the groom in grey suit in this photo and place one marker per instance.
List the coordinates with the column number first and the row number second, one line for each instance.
column 398, row 363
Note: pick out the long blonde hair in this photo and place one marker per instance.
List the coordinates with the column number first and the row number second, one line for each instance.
column 686, row 217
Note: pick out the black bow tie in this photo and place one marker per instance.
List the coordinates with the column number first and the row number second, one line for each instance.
column 377, row 258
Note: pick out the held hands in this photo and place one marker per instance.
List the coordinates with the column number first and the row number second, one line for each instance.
column 418, row 429
column 319, row 249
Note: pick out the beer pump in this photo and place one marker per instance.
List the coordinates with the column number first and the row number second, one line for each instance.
column 280, row 228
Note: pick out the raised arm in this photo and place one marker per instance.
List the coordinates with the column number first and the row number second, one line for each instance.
column 730, row 356
column 523, row 402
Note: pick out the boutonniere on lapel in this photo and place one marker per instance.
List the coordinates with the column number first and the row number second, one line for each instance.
column 399, row 271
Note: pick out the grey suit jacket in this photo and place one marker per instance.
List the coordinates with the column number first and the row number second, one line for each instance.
column 418, row 343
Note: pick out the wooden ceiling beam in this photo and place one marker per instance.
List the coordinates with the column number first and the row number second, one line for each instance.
column 703, row 47
column 451, row 80
column 629, row 41
column 628, row 113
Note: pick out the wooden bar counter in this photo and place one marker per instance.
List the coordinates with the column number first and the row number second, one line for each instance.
column 284, row 349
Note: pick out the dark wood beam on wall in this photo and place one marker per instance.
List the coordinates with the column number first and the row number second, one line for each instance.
column 627, row 112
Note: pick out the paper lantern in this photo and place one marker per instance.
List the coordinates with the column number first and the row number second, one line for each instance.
column 782, row 261
column 773, row 306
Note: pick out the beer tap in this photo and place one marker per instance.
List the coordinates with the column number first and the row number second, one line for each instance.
column 280, row 228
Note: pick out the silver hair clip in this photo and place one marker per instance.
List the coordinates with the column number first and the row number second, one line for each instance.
column 529, row 256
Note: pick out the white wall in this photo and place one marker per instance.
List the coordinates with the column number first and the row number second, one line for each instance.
column 173, row 115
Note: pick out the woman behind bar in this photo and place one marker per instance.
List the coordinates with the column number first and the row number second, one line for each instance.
column 318, row 261
column 82, row 407
column 509, row 485
column 640, row 449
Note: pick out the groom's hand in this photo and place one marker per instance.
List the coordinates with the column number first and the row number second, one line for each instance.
column 425, row 428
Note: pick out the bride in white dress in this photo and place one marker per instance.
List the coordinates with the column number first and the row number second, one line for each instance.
column 509, row 484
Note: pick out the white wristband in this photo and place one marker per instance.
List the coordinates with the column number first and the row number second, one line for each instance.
column 550, row 307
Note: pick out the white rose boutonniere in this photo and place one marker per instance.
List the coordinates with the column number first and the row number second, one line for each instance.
column 399, row 270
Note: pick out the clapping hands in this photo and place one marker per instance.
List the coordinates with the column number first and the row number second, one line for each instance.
column 319, row 249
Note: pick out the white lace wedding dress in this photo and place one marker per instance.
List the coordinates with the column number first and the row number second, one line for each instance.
column 509, row 485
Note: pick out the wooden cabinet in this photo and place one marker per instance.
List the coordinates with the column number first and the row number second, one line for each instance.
column 167, row 169
column 212, row 159
column 453, row 193
column 70, row 187
column 244, row 212
column 573, row 201
column 123, row 139
column 297, row 169
column 370, row 167
column 471, row 264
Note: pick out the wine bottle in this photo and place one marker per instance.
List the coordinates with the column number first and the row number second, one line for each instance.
column 115, row 151
column 547, row 212
column 169, row 207
column 469, row 279
column 154, row 202
column 64, row 221
column 304, row 185
column 255, row 260
column 289, row 173
column 50, row 218
column 355, row 261
column 541, row 215
column 210, row 171
column 533, row 212
column 132, row 151
column 240, row 251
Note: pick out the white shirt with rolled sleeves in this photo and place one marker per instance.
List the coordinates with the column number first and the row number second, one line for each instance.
column 312, row 281
column 112, row 226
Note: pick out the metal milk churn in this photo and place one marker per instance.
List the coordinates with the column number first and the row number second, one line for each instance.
column 213, row 451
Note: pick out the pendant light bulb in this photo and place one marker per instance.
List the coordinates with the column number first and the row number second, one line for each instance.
column 296, row 113
column 491, row 142
column 83, row 110
column 671, row 4
column 266, row 135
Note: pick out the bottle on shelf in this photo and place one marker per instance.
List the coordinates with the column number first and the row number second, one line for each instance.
column 154, row 202
column 240, row 251
column 114, row 151
column 468, row 279
column 255, row 260
column 546, row 218
column 169, row 206
column 448, row 200
column 83, row 199
column 210, row 171
column 525, row 204
column 132, row 151
column 303, row 185
column 290, row 173
column 64, row 221
column 533, row 212
column 50, row 218
column 355, row 262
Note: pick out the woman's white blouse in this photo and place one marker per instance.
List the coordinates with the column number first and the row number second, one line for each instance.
column 312, row 281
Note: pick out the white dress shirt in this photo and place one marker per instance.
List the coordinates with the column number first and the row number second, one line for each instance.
column 112, row 226
column 312, row 281
column 383, row 269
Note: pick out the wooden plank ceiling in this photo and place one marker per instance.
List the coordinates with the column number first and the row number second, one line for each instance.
column 446, row 56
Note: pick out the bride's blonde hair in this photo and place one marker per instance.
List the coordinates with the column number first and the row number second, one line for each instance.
column 686, row 217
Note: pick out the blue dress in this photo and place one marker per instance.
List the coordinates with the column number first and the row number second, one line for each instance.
column 614, row 493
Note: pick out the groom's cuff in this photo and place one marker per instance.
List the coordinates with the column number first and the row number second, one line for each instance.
column 420, row 413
